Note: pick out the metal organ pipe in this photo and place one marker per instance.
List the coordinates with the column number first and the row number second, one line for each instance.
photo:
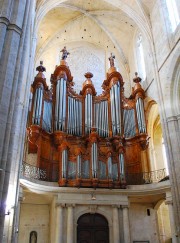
column 60, row 106
column 88, row 113
column 121, row 165
column 64, row 105
column 140, row 115
column 79, row 166
column 74, row 125
column 94, row 160
column 110, row 168
column 37, row 109
column 112, row 111
column 129, row 123
column 64, row 163
column 47, row 116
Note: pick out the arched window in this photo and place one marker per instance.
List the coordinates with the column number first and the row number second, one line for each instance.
column 173, row 13
column 140, row 58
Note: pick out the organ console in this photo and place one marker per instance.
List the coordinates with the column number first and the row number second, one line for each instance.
column 87, row 140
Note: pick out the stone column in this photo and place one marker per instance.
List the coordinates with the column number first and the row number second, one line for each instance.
column 116, row 235
column 172, row 144
column 172, row 222
column 59, row 224
column 126, row 226
column 70, row 224
column 12, row 60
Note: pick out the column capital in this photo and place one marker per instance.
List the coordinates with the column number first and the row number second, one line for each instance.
column 115, row 206
column 168, row 202
column 125, row 206
column 70, row 205
column 60, row 205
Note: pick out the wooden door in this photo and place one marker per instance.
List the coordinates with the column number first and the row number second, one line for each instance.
column 92, row 228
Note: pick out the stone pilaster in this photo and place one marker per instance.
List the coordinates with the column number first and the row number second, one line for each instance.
column 70, row 223
column 173, row 145
column 172, row 222
column 126, row 226
column 116, row 235
column 59, row 223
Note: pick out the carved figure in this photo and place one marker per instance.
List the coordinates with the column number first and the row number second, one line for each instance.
column 111, row 59
column 33, row 237
column 65, row 53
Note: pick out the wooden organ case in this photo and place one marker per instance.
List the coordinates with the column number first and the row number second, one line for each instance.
column 87, row 140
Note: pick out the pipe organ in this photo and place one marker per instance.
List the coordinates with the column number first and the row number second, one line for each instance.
column 86, row 140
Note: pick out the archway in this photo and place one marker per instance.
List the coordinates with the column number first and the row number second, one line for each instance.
column 92, row 228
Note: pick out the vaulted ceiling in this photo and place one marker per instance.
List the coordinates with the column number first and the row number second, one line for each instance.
column 109, row 24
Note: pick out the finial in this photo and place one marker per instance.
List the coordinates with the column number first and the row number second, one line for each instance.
column 137, row 79
column 111, row 59
column 41, row 68
column 65, row 53
column 88, row 75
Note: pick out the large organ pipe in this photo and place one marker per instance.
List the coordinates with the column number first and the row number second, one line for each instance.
column 64, row 105
column 64, row 163
column 80, row 107
column 140, row 115
column 112, row 111
column 37, row 107
column 94, row 160
column 121, row 166
column 115, row 109
column 88, row 113
column 129, row 123
column 47, row 116
column 60, row 106
column 79, row 166
column 110, row 167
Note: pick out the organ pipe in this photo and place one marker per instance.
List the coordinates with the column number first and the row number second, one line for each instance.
column 94, row 160
column 121, row 165
column 37, row 108
column 110, row 168
column 64, row 163
column 79, row 166
column 140, row 115
column 60, row 105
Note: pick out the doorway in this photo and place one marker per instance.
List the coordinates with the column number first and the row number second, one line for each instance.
column 92, row 228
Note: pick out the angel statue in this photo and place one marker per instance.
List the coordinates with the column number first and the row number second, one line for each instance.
column 111, row 59
column 65, row 53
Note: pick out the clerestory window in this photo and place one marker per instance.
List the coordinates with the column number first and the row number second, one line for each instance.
column 172, row 13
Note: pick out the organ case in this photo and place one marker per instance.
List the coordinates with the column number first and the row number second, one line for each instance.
column 85, row 139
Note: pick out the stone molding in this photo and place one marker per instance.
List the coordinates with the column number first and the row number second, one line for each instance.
column 173, row 118
column 4, row 20
column 15, row 28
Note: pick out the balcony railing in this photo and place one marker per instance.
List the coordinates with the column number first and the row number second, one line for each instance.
column 33, row 172
column 146, row 177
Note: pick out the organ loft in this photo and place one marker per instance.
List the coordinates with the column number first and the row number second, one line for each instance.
column 87, row 140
